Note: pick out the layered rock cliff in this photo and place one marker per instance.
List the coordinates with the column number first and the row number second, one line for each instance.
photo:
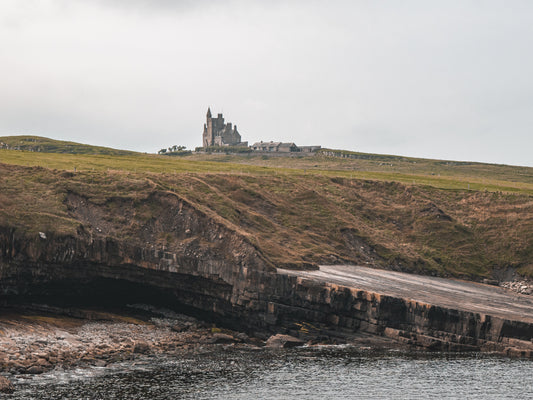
column 341, row 310
column 120, row 238
column 206, row 266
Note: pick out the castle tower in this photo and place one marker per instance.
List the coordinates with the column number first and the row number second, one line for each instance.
column 208, row 136
column 218, row 133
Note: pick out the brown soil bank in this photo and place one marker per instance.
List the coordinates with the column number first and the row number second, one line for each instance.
column 290, row 220
column 212, row 242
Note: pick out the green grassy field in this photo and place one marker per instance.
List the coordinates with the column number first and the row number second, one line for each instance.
column 434, row 217
column 440, row 174
column 45, row 145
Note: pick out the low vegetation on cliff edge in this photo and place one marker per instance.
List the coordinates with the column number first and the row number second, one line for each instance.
column 316, row 209
column 40, row 144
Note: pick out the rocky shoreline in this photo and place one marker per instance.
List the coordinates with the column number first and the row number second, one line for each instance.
column 39, row 339
column 35, row 340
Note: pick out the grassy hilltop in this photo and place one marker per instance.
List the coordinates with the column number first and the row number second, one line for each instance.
column 46, row 145
column 436, row 217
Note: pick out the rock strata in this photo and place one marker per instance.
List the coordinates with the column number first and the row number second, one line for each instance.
column 215, row 270
column 424, row 312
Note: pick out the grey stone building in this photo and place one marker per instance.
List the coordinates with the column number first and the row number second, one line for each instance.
column 277, row 147
column 280, row 147
column 217, row 133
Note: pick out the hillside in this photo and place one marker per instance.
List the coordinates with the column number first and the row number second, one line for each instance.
column 46, row 145
column 473, row 221
column 439, row 173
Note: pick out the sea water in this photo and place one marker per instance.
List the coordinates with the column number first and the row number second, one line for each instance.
column 335, row 372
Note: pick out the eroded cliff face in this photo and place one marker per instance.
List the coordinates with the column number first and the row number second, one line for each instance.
column 339, row 310
column 178, row 248
column 165, row 243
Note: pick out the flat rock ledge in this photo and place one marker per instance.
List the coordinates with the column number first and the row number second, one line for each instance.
column 430, row 313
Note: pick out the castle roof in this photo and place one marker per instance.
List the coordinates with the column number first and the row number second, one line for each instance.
column 266, row 144
column 273, row 144
column 287, row 145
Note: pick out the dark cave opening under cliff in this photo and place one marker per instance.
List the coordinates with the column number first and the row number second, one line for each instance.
column 100, row 292
column 104, row 294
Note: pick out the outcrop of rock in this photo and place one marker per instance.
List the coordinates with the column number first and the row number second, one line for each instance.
column 520, row 286
column 214, row 269
column 341, row 309
column 223, row 338
column 5, row 385
column 33, row 342
column 210, row 267
column 283, row 341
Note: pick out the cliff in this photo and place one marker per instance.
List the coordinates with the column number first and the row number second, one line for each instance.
column 211, row 243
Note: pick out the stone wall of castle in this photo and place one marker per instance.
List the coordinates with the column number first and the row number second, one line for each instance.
column 217, row 133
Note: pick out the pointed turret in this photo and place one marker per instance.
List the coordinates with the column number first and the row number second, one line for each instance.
column 218, row 133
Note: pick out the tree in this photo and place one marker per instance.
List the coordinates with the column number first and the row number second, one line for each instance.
column 173, row 149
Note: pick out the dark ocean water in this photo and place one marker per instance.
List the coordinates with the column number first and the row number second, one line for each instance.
column 305, row 373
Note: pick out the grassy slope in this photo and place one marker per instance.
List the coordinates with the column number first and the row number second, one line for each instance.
column 46, row 145
column 310, row 209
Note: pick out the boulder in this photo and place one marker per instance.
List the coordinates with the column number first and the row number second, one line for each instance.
column 222, row 338
column 141, row 347
column 35, row 369
column 243, row 337
column 283, row 341
column 6, row 386
column 180, row 328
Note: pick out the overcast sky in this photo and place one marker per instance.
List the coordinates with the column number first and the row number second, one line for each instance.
column 439, row 79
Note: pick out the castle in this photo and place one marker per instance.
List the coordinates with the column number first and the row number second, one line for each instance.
column 217, row 133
